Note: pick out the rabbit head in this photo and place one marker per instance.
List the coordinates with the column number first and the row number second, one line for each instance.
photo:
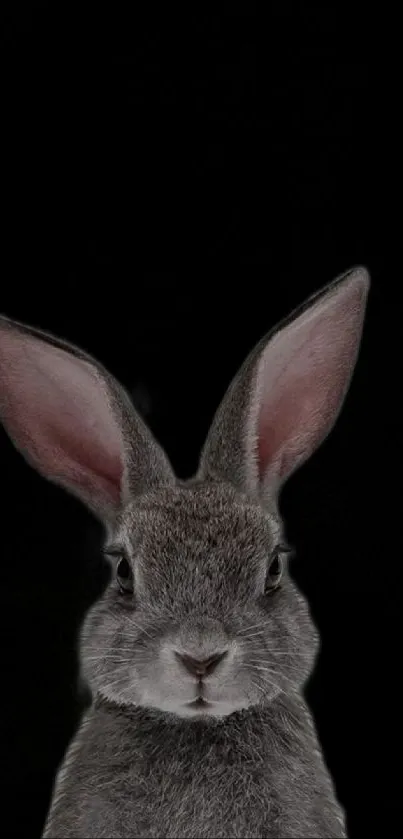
column 201, row 617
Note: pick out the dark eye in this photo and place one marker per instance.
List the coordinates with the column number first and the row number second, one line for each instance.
column 124, row 576
column 123, row 572
column 275, row 569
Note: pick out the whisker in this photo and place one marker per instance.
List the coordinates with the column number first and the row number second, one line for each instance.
column 253, row 634
column 253, row 626
column 102, row 649
column 128, row 645
column 112, row 685
column 273, row 684
column 258, row 667
column 140, row 629
column 119, row 659
column 280, row 652
column 264, row 670
column 260, row 688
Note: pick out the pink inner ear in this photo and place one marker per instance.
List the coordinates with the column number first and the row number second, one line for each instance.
column 57, row 411
column 83, row 463
column 304, row 374
column 284, row 432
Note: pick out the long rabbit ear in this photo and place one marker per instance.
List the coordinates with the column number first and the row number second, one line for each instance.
column 287, row 395
column 73, row 422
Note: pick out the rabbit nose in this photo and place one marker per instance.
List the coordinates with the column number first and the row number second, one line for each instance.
column 200, row 668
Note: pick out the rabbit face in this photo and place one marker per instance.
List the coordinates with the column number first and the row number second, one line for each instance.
column 198, row 635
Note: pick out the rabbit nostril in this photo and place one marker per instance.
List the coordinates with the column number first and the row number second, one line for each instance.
column 200, row 668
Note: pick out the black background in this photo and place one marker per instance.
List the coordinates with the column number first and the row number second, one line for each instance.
column 174, row 183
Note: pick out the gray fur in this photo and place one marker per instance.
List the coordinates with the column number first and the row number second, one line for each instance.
column 144, row 763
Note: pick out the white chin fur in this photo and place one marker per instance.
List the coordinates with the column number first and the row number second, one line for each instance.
column 184, row 709
column 209, row 709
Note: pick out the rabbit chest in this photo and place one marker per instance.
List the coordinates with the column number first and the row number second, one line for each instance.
column 129, row 777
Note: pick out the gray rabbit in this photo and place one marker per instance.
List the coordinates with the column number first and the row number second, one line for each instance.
column 200, row 646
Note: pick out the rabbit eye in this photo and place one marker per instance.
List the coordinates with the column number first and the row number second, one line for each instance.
column 274, row 570
column 124, row 576
column 124, row 573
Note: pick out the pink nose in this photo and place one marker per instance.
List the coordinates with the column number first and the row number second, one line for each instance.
column 200, row 668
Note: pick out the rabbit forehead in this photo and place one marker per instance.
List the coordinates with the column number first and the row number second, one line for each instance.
column 198, row 524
